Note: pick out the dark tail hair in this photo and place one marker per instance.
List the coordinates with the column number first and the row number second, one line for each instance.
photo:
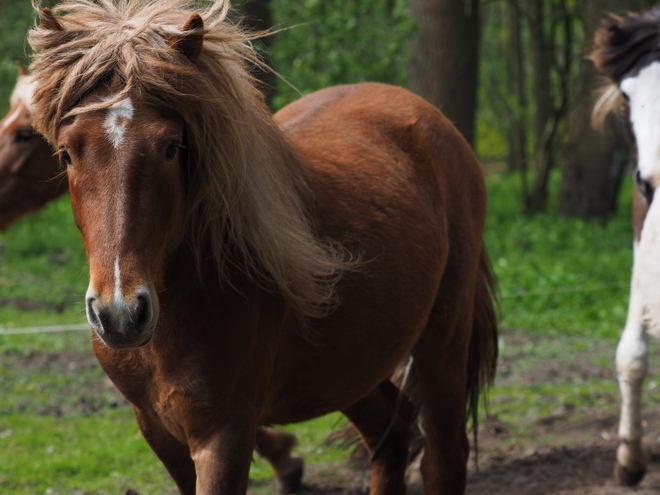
column 483, row 353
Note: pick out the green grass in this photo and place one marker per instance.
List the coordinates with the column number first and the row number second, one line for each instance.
column 105, row 453
column 43, row 267
column 564, row 281
column 102, row 453
column 559, row 275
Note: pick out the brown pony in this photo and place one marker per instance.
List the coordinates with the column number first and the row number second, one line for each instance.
column 248, row 271
column 30, row 177
column 627, row 50
column 28, row 171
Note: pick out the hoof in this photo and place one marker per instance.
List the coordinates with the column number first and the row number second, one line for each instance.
column 626, row 477
column 292, row 483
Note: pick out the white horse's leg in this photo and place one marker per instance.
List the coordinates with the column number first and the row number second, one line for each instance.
column 631, row 365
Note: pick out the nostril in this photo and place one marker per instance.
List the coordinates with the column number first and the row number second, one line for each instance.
column 93, row 315
column 143, row 311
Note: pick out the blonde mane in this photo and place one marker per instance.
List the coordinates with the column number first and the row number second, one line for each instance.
column 610, row 101
column 247, row 192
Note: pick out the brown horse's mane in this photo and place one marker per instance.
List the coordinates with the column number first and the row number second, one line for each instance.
column 246, row 193
column 622, row 47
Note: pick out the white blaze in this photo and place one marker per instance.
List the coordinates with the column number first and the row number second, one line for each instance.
column 643, row 91
column 11, row 118
column 116, row 122
column 118, row 294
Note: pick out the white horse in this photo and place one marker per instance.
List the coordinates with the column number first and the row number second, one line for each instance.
column 627, row 50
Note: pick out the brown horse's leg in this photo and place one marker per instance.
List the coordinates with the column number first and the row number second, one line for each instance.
column 275, row 446
column 222, row 457
column 440, row 368
column 385, row 432
column 172, row 453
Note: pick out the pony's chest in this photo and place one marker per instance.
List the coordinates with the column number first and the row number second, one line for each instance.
column 169, row 406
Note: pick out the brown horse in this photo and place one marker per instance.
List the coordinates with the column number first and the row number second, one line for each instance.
column 28, row 171
column 627, row 51
column 31, row 176
column 29, row 179
column 248, row 271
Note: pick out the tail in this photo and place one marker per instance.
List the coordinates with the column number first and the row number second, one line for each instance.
column 482, row 359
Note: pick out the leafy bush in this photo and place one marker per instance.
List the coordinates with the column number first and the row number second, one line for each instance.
column 558, row 274
column 328, row 42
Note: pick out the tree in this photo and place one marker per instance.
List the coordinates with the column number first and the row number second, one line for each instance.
column 551, row 22
column 445, row 58
column 593, row 162
column 528, row 65
column 257, row 17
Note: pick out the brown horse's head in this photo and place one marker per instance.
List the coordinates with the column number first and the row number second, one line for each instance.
column 28, row 171
column 123, row 161
column 127, row 195
column 122, row 87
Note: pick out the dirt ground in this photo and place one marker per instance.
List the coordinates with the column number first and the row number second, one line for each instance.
column 573, row 458
column 576, row 459
column 564, row 453
column 568, row 452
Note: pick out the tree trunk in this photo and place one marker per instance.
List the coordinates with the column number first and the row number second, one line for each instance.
column 552, row 57
column 445, row 57
column 541, row 67
column 256, row 16
column 593, row 161
column 517, row 159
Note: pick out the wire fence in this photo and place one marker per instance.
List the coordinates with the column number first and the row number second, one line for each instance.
column 45, row 329
column 503, row 295
column 564, row 290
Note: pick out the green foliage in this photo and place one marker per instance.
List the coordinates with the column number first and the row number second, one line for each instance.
column 105, row 453
column 559, row 275
column 14, row 23
column 42, row 268
column 325, row 43
column 76, row 455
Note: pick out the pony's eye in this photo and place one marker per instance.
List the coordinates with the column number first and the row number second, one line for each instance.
column 170, row 152
column 23, row 136
column 644, row 187
column 625, row 96
column 66, row 158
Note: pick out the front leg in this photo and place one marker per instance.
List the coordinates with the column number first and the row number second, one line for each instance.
column 222, row 459
column 631, row 365
column 172, row 453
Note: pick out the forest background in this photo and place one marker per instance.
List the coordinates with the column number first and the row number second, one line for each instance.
column 513, row 75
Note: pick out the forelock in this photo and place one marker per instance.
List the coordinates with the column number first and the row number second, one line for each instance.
column 625, row 45
column 122, row 47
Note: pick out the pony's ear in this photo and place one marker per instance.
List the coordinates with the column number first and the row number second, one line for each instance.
column 47, row 21
column 22, row 71
column 190, row 42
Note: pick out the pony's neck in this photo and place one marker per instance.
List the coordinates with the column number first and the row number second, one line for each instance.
column 267, row 227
